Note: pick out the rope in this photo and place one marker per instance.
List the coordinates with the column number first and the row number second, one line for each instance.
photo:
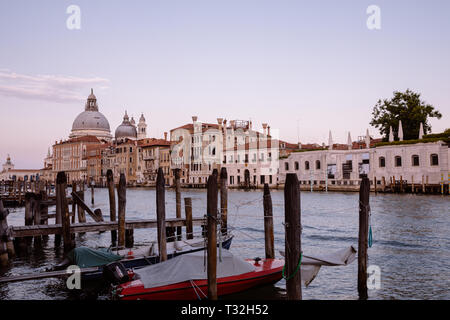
column 296, row 270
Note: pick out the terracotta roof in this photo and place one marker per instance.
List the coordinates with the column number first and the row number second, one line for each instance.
column 153, row 142
column 80, row 139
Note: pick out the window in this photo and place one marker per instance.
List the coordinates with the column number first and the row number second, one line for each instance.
column 398, row 161
column 296, row 165
column 415, row 160
column 317, row 164
column 307, row 165
column 263, row 179
column 434, row 160
column 286, row 166
column 382, row 162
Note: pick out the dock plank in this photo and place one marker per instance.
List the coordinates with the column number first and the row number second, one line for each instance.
column 43, row 230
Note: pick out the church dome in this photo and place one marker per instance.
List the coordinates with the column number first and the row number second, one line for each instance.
column 126, row 129
column 91, row 122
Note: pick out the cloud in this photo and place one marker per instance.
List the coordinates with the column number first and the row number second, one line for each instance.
column 53, row 88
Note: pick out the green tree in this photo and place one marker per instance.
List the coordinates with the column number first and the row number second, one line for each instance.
column 407, row 107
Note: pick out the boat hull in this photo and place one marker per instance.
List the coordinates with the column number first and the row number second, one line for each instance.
column 144, row 262
column 267, row 271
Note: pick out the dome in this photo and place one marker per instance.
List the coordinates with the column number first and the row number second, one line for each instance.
column 126, row 129
column 91, row 120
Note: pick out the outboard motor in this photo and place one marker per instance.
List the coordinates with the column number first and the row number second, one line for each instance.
column 115, row 273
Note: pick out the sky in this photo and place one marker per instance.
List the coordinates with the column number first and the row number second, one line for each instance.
column 303, row 67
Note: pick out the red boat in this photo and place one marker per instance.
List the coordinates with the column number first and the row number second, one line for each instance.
column 186, row 279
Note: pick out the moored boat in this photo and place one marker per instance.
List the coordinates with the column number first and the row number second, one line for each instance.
column 130, row 258
column 185, row 278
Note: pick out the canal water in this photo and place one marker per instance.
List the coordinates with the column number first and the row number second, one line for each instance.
column 411, row 242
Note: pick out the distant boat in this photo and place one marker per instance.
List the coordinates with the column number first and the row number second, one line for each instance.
column 185, row 278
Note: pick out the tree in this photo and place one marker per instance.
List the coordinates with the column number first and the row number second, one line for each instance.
column 407, row 107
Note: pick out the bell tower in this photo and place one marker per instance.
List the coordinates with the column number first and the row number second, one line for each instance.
column 142, row 128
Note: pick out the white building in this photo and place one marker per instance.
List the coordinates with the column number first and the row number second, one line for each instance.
column 9, row 172
column 250, row 156
column 417, row 163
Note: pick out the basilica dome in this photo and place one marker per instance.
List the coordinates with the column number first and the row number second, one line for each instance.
column 91, row 122
column 126, row 130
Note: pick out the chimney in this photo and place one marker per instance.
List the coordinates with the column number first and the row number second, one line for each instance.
column 165, row 136
column 268, row 131
column 220, row 122
column 265, row 128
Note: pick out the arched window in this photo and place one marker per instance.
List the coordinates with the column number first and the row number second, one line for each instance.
column 296, row 165
column 398, row 161
column 382, row 162
column 415, row 160
column 307, row 165
column 434, row 160
column 318, row 164
column 286, row 166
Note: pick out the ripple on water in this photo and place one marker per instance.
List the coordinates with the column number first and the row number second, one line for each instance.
column 411, row 242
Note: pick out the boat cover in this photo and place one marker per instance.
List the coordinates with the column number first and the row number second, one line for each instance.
column 311, row 264
column 190, row 266
column 85, row 257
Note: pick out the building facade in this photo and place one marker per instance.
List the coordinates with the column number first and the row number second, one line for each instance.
column 418, row 163
column 10, row 173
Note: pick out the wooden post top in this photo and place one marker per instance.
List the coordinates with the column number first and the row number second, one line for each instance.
column 61, row 178
column 223, row 174
column 109, row 175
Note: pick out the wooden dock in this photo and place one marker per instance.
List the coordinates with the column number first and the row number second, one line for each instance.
column 43, row 230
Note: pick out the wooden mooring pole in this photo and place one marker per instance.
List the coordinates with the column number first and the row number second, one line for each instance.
column 224, row 200
column 122, row 195
column 74, row 205
column 63, row 208
column 6, row 244
column 293, row 244
column 178, row 199
column 364, row 193
column 212, row 236
column 37, row 240
column 92, row 192
column 29, row 208
column 268, row 223
column 188, row 211
column 112, row 203
column 161, row 214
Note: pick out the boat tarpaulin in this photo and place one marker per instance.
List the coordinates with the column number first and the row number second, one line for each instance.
column 311, row 264
column 190, row 267
column 85, row 257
